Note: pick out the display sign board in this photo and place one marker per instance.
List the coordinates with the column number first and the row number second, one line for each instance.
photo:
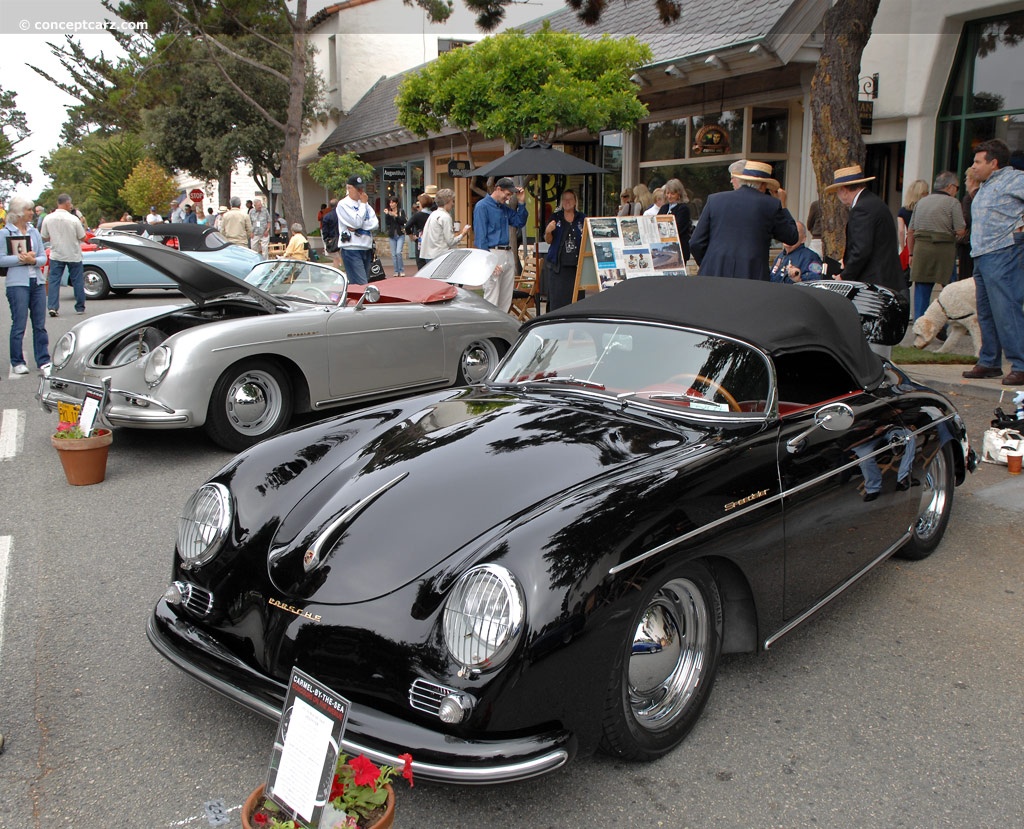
column 306, row 748
column 866, row 110
column 458, row 169
column 392, row 174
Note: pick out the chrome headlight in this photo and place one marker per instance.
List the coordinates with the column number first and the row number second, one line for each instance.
column 63, row 350
column 158, row 361
column 204, row 524
column 483, row 617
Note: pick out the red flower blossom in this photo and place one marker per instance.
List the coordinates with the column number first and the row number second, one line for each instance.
column 407, row 768
column 337, row 788
column 259, row 819
column 366, row 773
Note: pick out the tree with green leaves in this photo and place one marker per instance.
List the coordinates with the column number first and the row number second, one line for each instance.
column 332, row 170
column 93, row 170
column 515, row 86
column 13, row 130
column 148, row 185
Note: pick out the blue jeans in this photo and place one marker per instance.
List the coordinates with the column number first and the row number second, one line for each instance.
column 357, row 263
column 76, row 279
column 25, row 300
column 999, row 287
column 922, row 298
column 397, row 246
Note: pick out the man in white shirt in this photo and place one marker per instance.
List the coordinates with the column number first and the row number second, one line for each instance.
column 259, row 218
column 64, row 231
column 152, row 217
column 356, row 223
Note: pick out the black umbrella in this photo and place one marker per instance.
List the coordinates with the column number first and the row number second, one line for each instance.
column 537, row 158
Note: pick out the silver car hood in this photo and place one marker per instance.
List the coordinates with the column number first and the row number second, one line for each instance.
column 197, row 280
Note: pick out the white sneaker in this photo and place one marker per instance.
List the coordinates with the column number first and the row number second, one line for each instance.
column 20, row 369
column 45, row 369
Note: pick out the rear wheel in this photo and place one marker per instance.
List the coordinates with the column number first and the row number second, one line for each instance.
column 251, row 401
column 95, row 283
column 936, row 506
column 477, row 361
column 666, row 668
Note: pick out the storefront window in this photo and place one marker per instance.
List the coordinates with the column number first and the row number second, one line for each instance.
column 997, row 68
column 769, row 130
column 611, row 182
column 731, row 121
column 662, row 140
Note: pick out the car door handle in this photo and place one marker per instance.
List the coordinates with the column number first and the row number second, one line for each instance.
column 431, row 326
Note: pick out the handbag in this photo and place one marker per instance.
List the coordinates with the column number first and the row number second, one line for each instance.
column 905, row 257
column 997, row 442
column 377, row 270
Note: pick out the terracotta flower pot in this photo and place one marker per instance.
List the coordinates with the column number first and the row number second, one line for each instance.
column 84, row 459
column 385, row 821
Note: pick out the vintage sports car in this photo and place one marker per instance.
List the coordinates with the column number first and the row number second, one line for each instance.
column 244, row 355
column 553, row 561
column 109, row 271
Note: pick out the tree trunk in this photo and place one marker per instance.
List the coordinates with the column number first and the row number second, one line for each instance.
column 291, row 205
column 835, row 136
column 224, row 188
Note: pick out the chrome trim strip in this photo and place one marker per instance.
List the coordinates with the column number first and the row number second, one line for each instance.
column 618, row 568
column 334, row 401
column 842, row 588
column 131, row 395
column 312, row 558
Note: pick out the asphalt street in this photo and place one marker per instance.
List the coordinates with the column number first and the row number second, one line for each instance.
column 898, row 706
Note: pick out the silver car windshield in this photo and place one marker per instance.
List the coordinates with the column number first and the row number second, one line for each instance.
column 303, row 281
column 644, row 363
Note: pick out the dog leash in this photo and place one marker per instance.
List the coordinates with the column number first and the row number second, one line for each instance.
column 953, row 319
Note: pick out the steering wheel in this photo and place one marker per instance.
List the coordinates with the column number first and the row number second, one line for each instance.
column 312, row 289
column 716, row 388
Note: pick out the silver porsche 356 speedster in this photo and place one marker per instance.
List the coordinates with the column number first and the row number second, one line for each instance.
column 242, row 356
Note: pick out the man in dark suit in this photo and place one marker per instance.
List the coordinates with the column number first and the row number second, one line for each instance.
column 872, row 251
column 736, row 227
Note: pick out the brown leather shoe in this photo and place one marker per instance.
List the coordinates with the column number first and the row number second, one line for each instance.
column 980, row 372
column 1014, row 378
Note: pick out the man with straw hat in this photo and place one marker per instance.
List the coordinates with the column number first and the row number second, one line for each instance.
column 736, row 228
column 872, row 251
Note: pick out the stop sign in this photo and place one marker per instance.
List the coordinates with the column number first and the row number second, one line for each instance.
column 196, row 195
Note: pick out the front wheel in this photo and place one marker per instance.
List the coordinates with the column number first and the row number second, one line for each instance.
column 936, row 505
column 664, row 671
column 95, row 283
column 476, row 362
column 251, row 401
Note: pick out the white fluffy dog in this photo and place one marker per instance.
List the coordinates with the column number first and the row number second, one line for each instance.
column 957, row 305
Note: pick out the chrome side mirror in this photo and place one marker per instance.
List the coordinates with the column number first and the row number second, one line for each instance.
column 370, row 295
column 835, row 417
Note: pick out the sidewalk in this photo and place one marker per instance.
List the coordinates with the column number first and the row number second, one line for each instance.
column 947, row 379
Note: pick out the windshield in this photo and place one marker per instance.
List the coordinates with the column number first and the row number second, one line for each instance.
column 302, row 281
column 652, row 364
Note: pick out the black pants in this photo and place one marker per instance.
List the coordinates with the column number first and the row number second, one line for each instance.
column 560, row 286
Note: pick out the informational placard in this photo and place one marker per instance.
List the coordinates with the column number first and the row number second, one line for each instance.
column 626, row 247
column 306, row 747
column 90, row 408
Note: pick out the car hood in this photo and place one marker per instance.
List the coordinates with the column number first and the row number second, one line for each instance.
column 456, row 474
column 196, row 279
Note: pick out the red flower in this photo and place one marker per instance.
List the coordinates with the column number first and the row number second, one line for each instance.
column 366, row 773
column 63, row 426
column 337, row 788
column 259, row 819
column 407, row 768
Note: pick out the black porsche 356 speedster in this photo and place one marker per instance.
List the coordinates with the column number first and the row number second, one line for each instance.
column 503, row 576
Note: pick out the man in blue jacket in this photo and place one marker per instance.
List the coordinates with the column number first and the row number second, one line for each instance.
column 736, row 228
column 491, row 219
column 797, row 263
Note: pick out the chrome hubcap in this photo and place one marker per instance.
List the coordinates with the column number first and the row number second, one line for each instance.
column 933, row 497
column 478, row 360
column 668, row 654
column 253, row 402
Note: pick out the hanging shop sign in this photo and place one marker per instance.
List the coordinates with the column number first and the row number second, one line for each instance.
column 866, row 110
column 458, row 169
column 393, row 174
column 711, row 139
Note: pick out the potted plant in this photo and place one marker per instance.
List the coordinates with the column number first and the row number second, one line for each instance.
column 361, row 798
column 84, row 457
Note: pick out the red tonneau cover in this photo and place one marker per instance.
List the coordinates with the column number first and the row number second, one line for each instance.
column 407, row 289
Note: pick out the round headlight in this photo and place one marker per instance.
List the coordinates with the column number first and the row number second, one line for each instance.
column 158, row 361
column 63, row 350
column 204, row 524
column 483, row 617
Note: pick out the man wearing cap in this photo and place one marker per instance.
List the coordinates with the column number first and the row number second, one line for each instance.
column 153, row 217
column 356, row 223
column 491, row 219
column 872, row 250
column 736, row 228
column 997, row 245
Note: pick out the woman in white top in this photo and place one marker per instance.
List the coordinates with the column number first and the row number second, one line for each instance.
column 439, row 232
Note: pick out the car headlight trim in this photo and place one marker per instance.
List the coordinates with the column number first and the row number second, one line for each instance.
column 63, row 351
column 483, row 617
column 158, row 362
column 204, row 524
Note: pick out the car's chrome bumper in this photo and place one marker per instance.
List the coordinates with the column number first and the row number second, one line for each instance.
column 137, row 410
column 382, row 737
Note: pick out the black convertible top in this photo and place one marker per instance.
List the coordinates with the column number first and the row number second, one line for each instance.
column 781, row 319
column 194, row 237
